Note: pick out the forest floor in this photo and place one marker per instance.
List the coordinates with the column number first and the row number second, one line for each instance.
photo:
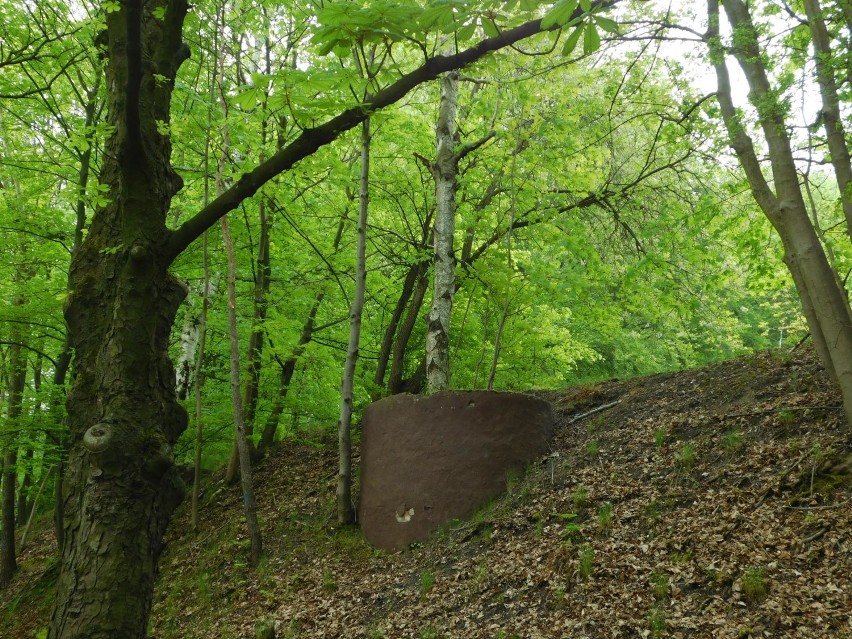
column 708, row 503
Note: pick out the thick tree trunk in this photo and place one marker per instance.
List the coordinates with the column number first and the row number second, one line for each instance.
column 445, row 171
column 8, row 564
column 121, row 485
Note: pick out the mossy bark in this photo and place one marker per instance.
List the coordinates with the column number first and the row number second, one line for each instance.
column 121, row 485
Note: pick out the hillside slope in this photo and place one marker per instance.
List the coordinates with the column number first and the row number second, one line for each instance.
column 712, row 503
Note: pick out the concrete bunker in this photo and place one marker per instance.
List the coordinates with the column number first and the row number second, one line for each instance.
column 427, row 460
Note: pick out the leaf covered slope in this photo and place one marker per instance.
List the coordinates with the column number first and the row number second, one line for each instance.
column 714, row 502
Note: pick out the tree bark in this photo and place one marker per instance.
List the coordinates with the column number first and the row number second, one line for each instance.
column 121, row 484
column 14, row 406
column 395, row 382
column 832, row 120
column 445, row 171
column 197, row 386
column 393, row 324
column 345, row 507
column 242, row 439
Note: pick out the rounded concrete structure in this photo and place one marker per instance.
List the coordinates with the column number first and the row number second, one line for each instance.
column 427, row 460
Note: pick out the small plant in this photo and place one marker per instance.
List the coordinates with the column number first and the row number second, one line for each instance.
column 593, row 447
column 653, row 514
column 427, row 582
column 204, row 590
column 580, row 497
column 572, row 532
column 375, row 633
column 587, row 561
column 329, row 584
column 785, row 417
column 513, row 480
column 605, row 515
column 660, row 584
column 481, row 574
column 429, row 632
column 559, row 593
column 660, row 438
column 732, row 441
column 754, row 586
column 685, row 457
column 657, row 622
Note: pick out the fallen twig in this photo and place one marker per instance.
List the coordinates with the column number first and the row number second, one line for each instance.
column 592, row 412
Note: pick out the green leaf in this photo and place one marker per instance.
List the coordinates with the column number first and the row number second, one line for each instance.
column 611, row 26
column 586, row 5
column 466, row 32
column 591, row 39
column 246, row 100
column 559, row 14
column 571, row 41
column 489, row 27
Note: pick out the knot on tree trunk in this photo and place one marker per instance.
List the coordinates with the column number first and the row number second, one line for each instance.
column 97, row 439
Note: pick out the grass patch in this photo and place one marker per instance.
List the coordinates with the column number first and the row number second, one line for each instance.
column 587, row 562
column 754, row 585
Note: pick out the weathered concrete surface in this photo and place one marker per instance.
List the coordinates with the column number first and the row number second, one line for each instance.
column 427, row 460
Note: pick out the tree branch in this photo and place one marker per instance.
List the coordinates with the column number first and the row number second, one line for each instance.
column 314, row 138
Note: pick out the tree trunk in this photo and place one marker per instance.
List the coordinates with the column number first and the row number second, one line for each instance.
column 445, row 171
column 242, row 439
column 121, row 484
column 345, row 507
column 23, row 506
column 243, row 447
column 495, row 356
column 831, row 118
column 14, row 407
column 198, row 385
column 393, row 324
column 288, row 368
column 395, row 383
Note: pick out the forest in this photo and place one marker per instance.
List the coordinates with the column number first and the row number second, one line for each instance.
column 235, row 222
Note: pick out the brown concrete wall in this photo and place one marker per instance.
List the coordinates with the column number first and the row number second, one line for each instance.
column 427, row 460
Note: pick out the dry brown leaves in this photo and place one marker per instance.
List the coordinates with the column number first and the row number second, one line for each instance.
column 725, row 521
